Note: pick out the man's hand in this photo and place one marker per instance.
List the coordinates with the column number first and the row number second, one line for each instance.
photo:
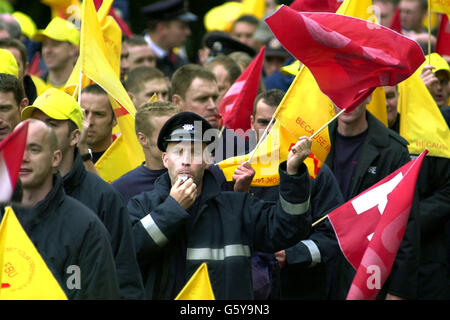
column 299, row 152
column 184, row 193
column 429, row 78
column 243, row 176
column 281, row 257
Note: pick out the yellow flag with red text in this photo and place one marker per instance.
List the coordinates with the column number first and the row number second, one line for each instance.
column 198, row 287
column 126, row 152
column 24, row 274
column 421, row 121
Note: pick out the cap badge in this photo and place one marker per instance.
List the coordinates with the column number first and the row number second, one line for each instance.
column 188, row 127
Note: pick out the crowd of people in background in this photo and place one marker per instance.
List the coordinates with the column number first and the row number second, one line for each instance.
column 143, row 235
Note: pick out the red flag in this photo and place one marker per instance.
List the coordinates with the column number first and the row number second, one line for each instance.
column 443, row 37
column 316, row 5
column 112, row 12
column 348, row 57
column 11, row 155
column 396, row 23
column 236, row 107
column 370, row 228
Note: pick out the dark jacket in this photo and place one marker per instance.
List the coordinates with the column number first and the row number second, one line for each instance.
column 308, row 263
column 109, row 206
column 67, row 233
column 223, row 231
column 382, row 152
column 433, row 194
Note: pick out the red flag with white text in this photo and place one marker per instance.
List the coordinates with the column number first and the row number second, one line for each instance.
column 370, row 228
column 12, row 149
column 348, row 57
column 236, row 107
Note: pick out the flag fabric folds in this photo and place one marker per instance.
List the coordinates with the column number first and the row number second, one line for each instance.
column 12, row 149
column 236, row 107
column 442, row 6
column 24, row 274
column 315, row 5
column 421, row 121
column 370, row 228
column 125, row 153
column 198, row 287
column 443, row 37
column 349, row 57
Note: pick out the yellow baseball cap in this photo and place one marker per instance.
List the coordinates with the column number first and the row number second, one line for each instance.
column 8, row 63
column 60, row 30
column 26, row 23
column 57, row 105
column 437, row 62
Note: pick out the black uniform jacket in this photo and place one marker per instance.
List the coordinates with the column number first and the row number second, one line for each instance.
column 223, row 231
column 66, row 233
column 109, row 206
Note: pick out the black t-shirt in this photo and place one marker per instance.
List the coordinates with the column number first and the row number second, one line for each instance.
column 346, row 155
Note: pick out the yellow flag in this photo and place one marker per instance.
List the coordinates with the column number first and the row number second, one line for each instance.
column 377, row 105
column 198, row 286
column 24, row 274
column 421, row 121
column 442, row 6
column 153, row 98
column 112, row 38
column 305, row 109
column 256, row 8
column 96, row 67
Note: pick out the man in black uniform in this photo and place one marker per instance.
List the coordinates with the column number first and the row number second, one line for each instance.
column 363, row 151
column 65, row 232
column 64, row 114
column 182, row 223
column 168, row 29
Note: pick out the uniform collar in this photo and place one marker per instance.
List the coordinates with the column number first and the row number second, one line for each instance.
column 160, row 52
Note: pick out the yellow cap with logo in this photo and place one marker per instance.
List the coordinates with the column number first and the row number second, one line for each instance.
column 8, row 63
column 60, row 30
column 57, row 105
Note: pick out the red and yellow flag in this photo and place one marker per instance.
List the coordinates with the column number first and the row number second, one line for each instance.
column 125, row 153
column 24, row 274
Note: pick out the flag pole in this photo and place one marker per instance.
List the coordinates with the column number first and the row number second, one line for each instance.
column 80, row 80
column 326, row 124
column 429, row 32
column 262, row 138
column 319, row 221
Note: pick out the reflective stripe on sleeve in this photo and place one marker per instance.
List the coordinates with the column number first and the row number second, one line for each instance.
column 314, row 251
column 294, row 208
column 234, row 250
column 153, row 231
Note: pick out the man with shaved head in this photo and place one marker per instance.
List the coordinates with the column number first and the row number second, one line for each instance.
column 68, row 235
